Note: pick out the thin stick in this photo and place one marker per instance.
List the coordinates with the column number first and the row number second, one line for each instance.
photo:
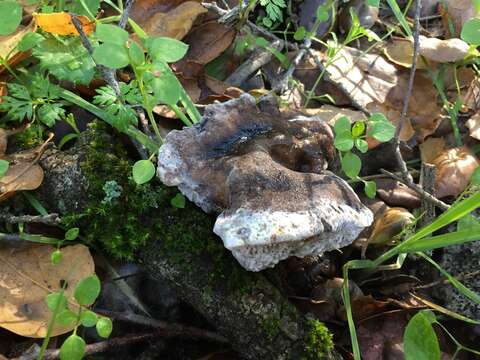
column 107, row 74
column 419, row 190
column 283, row 83
column 50, row 219
column 396, row 140
column 427, row 181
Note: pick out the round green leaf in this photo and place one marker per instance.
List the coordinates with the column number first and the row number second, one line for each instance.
column 351, row 165
column 29, row 41
column 361, row 145
column 300, row 33
column 143, row 171
column 72, row 234
column 55, row 300
column 73, row 348
column 88, row 318
column 380, row 128
column 370, row 189
column 419, row 340
column 166, row 49
column 104, row 327
column 111, row 34
column 322, row 13
column 342, row 125
column 10, row 16
column 166, row 89
column 111, row 55
column 66, row 318
column 471, row 31
column 344, row 141
column 136, row 54
column 56, row 257
column 358, row 129
column 4, row 164
column 87, row 290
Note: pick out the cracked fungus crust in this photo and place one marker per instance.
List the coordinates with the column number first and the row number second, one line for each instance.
column 265, row 173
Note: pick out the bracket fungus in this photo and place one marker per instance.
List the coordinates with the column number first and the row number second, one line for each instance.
column 265, row 173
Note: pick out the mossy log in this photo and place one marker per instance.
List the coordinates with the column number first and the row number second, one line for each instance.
column 173, row 244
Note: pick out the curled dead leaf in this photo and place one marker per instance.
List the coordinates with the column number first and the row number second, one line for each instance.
column 9, row 42
column 454, row 170
column 20, row 175
column 389, row 224
column 394, row 193
column 473, row 125
column 443, row 51
column 28, row 276
column 60, row 23
column 431, row 148
column 400, row 52
column 175, row 23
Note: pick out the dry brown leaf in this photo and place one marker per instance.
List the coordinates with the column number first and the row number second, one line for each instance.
column 400, row 52
column 377, row 86
column 60, row 23
column 9, row 42
column 28, row 275
column 443, row 51
column 472, row 98
column 331, row 114
column 389, row 224
column 473, row 125
column 3, row 142
column 175, row 23
column 454, row 170
column 431, row 148
column 394, row 193
column 207, row 41
column 143, row 9
column 21, row 175
column 459, row 12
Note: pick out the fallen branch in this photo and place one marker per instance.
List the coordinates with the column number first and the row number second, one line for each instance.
column 49, row 219
column 169, row 329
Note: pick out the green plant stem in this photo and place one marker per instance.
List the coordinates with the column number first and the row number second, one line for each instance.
column 130, row 131
column 147, row 107
column 181, row 115
column 4, row 62
column 190, row 107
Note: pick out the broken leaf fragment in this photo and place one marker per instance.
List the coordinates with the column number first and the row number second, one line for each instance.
column 28, row 276
column 60, row 23
column 8, row 45
column 473, row 125
column 389, row 224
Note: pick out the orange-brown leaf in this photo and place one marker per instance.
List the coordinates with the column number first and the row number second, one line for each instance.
column 61, row 23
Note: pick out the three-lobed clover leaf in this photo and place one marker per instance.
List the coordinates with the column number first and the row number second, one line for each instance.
column 380, row 128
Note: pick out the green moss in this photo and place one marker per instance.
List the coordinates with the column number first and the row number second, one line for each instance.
column 271, row 326
column 28, row 138
column 319, row 341
column 140, row 213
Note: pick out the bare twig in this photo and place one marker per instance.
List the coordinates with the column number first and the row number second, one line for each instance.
column 419, row 190
column 107, row 74
column 169, row 329
column 442, row 281
column 49, row 219
column 427, row 181
column 283, row 83
column 126, row 13
column 396, row 140
column 258, row 59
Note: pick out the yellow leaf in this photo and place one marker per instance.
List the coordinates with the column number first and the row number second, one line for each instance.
column 61, row 23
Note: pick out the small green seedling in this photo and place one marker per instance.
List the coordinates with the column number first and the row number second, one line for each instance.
column 70, row 235
column 349, row 137
column 85, row 294
column 178, row 201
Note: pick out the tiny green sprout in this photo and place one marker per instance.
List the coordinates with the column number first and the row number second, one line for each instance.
column 72, row 234
column 350, row 137
column 104, row 327
column 300, row 34
column 178, row 201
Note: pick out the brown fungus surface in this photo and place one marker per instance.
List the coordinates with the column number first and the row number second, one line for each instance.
column 265, row 173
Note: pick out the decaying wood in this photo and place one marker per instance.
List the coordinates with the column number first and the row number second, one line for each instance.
column 245, row 317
